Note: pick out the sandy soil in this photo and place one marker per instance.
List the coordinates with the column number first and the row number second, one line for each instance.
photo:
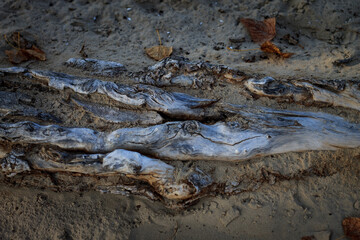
column 304, row 204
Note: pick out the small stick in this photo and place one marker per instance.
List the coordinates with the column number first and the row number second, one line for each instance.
column 157, row 31
column 8, row 42
column 175, row 231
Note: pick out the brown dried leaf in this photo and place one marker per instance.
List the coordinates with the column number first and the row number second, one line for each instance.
column 16, row 56
column 159, row 52
column 35, row 52
column 260, row 31
column 351, row 227
column 23, row 49
column 269, row 47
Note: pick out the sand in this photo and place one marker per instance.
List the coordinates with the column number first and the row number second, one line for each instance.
column 301, row 204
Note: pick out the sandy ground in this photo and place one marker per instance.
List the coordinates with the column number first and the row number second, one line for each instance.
column 303, row 205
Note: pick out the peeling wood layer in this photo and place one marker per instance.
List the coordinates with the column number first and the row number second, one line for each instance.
column 178, row 71
column 343, row 94
column 15, row 105
column 97, row 67
column 174, row 104
column 118, row 115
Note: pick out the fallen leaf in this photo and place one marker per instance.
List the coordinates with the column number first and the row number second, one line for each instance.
column 351, row 227
column 260, row 31
column 159, row 52
column 16, row 56
column 269, row 47
column 36, row 53
column 23, row 49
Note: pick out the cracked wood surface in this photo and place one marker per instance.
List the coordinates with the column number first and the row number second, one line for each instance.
column 343, row 94
column 267, row 132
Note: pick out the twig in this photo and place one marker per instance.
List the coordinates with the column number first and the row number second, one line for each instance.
column 175, row 231
column 157, row 31
column 8, row 42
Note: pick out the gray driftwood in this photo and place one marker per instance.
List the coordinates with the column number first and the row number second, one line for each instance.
column 173, row 104
column 13, row 105
column 97, row 67
column 178, row 71
column 161, row 176
column 118, row 115
column 177, row 132
column 332, row 93
column 265, row 132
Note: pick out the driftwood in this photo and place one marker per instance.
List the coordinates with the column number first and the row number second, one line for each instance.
column 118, row 115
column 161, row 176
column 11, row 164
column 267, row 132
column 176, row 105
column 174, row 127
column 178, row 71
column 14, row 105
column 97, row 67
column 332, row 93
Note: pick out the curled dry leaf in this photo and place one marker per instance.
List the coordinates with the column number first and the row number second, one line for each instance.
column 16, row 56
column 269, row 47
column 159, row 52
column 36, row 53
column 23, row 49
column 260, row 31
column 351, row 227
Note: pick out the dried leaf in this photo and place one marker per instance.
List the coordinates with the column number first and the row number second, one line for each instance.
column 159, row 52
column 260, row 31
column 23, row 49
column 351, row 227
column 16, row 56
column 269, row 47
column 36, row 53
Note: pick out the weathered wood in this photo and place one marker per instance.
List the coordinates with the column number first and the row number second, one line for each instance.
column 118, row 115
column 136, row 154
column 11, row 164
column 266, row 132
column 173, row 104
column 344, row 94
column 13, row 104
column 161, row 176
column 178, row 71
column 97, row 67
